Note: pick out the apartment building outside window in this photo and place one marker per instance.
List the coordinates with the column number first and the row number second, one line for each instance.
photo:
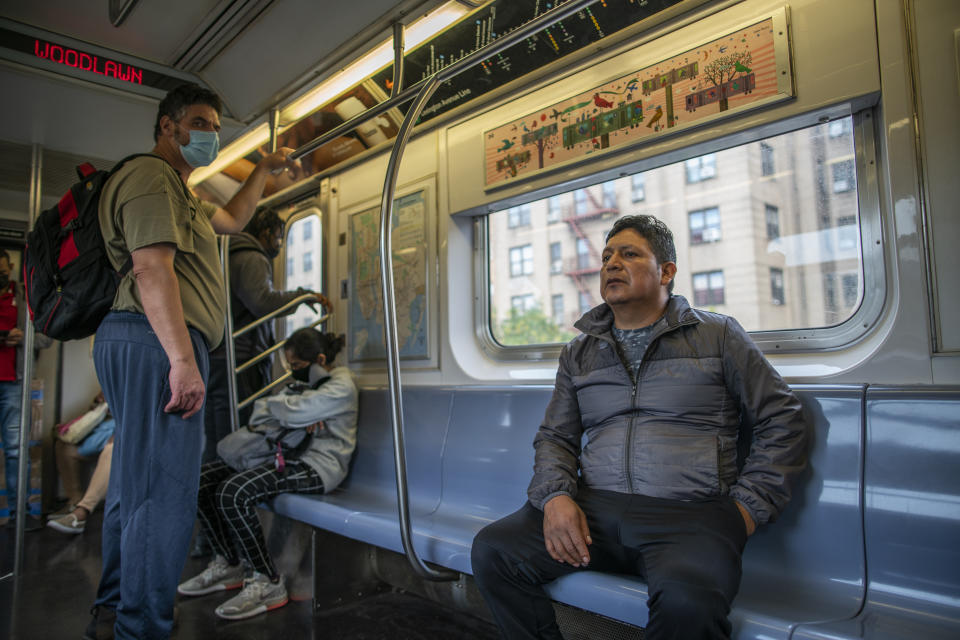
column 580, row 201
column 556, row 257
column 708, row 288
column 554, row 209
column 583, row 253
column 844, row 177
column 702, row 168
column 609, row 195
column 523, row 303
column 556, row 308
column 767, row 167
column 776, row 286
column 638, row 187
column 705, row 225
column 772, row 215
column 519, row 216
column 307, row 230
column 839, row 128
column 308, row 261
column 521, row 261
column 586, row 302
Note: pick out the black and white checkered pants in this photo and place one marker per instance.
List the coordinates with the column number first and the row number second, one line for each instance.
column 227, row 504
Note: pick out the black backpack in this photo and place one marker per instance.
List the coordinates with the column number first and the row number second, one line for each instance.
column 69, row 281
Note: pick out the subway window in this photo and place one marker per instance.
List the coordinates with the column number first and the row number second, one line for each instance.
column 303, row 249
column 777, row 255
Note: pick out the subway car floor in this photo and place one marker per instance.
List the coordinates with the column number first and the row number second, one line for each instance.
column 52, row 597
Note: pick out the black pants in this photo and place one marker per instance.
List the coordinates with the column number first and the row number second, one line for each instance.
column 688, row 552
column 227, row 504
column 216, row 410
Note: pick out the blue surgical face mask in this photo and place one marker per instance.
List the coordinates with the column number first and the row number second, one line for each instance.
column 202, row 148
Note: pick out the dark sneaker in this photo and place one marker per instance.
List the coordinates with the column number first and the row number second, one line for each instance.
column 101, row 624
column 259, row 595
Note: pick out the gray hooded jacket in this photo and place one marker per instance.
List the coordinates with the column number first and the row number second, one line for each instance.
column 673, row 434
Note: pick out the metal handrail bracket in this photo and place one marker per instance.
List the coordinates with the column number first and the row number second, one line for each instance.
column 426, row 89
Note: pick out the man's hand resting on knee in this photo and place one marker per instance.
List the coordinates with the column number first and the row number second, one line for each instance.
column 565, row 531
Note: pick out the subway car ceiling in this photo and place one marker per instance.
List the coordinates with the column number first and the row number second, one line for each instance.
column 239, row 48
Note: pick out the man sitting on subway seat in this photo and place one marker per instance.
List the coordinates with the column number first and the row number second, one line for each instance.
column 657, row 391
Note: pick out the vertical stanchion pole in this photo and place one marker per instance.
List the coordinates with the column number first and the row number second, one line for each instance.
column 228, row 335
column 23, row 478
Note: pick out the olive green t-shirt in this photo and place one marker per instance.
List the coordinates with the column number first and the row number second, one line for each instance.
column 145, row 203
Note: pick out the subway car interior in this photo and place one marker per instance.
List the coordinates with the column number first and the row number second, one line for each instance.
column 804, row 154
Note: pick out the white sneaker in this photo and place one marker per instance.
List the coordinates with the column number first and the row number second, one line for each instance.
column 218, row 576
column 68, row 523
column 259, row 595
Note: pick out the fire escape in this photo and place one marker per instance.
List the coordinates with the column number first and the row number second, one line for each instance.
column 582, row 266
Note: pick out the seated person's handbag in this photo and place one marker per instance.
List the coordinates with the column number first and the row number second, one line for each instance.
column 252, row 446
column 249, row 447
column 79, row 428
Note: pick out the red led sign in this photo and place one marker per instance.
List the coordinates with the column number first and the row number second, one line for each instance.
column 87, row 62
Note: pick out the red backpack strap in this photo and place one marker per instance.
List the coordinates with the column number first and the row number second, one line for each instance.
column 85, row 170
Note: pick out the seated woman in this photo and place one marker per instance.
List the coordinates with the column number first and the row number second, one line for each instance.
column 326, row 406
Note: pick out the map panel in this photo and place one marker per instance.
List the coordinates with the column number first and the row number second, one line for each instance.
column 410, row 246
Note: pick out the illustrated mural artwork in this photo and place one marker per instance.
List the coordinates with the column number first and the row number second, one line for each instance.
column 727, row 74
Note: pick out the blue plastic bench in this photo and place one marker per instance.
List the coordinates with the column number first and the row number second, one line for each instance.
column 469, row 459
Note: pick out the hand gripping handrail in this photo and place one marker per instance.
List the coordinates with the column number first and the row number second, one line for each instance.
column 426, row 90
column 235, row 403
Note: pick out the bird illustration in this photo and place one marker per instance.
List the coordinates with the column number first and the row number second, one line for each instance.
column 506, row 145
column 739, row 67
column 656, row 116
column 600, row 102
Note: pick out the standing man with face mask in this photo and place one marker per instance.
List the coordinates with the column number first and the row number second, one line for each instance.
column 151, row 356
column 12, row 320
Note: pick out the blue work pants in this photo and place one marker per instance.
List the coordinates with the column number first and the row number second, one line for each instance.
column 152, row 495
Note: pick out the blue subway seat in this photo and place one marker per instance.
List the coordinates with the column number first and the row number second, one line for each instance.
column 469, row 459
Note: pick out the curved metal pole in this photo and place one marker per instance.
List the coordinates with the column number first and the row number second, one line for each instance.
column 227, row 333
column 397, row 59
column 386, row 262
column 390, row 329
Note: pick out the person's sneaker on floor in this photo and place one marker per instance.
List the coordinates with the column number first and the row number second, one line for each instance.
column 69, row 523
column 101, row 624
column 259, row 595
column 219, row 575
column 62, row 511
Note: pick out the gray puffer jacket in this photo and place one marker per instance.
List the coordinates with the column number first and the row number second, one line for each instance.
column 674, row 433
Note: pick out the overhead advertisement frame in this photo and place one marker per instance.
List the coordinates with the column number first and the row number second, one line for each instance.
column 725, row 77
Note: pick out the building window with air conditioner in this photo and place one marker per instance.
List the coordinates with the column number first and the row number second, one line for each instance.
column 702, row 168
column 705, row 225
column 708, row 288
column 776, row 286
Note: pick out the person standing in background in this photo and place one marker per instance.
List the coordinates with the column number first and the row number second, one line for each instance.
column 13, row 319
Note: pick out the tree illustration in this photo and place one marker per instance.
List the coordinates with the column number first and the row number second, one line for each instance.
column 544, row 138
column 724, row 69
